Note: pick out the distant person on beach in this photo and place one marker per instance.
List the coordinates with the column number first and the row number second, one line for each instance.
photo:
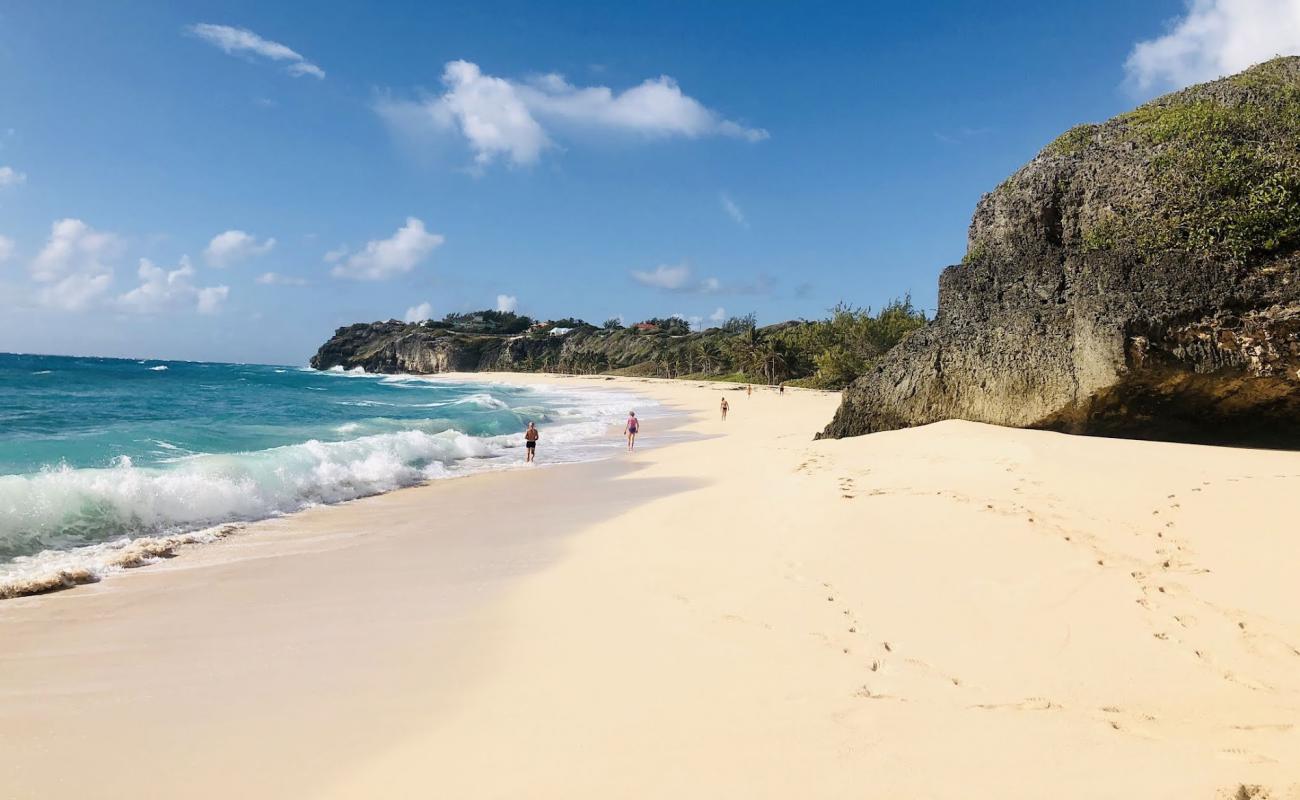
column 631, row 429
column 783, row 388
column 749, row 390
column 531, row 435
column 724, row 409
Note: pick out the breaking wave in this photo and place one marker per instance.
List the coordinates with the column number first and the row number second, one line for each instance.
column 62, row 526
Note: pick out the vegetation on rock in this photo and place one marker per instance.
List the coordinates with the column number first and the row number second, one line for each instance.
column 1139, row 277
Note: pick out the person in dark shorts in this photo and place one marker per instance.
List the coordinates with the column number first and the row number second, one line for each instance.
column 725, row 408
column 631, row 429
column 531, row 435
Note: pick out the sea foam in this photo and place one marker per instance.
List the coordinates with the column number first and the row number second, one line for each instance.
column 62, row 526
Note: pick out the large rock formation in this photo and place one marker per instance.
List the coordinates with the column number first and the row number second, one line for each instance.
column 1138, row 278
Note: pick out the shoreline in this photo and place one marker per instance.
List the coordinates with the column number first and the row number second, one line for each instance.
column 950, row 611
column 59, row 570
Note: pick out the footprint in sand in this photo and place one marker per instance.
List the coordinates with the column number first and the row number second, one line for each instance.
column 1028, row 704
column 1249, row 684
column 866, row 694
column 1238, row 754
column 1245, row 791
column 1264, row 726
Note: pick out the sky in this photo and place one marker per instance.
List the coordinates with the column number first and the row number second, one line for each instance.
column 231, row 181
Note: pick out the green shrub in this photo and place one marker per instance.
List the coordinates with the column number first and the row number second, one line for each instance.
column 1226, row 173
column 1073, row 141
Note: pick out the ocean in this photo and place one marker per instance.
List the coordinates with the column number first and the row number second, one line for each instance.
column 109, row 463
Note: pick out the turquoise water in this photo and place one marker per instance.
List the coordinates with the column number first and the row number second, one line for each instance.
column 96, row 454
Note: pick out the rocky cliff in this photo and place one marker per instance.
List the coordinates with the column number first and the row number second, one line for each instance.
column 421, row 349
column 1138, row 278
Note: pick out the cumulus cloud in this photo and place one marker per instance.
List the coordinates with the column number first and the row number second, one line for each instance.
column 211, row 299
column 678, row 278
column 277, row 279
column 505, row 118
column 719, row 315
column 1215, row 38
column 170, row 290
column 663, row 276
column 232, row 247
column 419, row 313
column 385, row 258
column 11, row 177
column 733, row 210
column 73, row 266
column 241, row 41
column 6, row 248
column 507, row 302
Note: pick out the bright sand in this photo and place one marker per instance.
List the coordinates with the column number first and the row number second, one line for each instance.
column 955, row 611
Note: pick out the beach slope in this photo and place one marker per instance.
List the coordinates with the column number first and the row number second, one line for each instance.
column 951, row 611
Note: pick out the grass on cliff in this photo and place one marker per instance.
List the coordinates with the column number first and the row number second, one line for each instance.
column 1224, row 169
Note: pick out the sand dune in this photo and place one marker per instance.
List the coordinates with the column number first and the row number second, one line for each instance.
column 952, row 611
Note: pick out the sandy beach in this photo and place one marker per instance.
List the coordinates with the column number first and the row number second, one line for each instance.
column 951, row 611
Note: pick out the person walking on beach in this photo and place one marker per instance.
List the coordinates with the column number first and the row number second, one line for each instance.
column 531, row 435
column 749, row 390
column 724, row 409
column 630, row 430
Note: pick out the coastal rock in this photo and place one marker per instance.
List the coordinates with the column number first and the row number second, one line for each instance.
column 1138, row 278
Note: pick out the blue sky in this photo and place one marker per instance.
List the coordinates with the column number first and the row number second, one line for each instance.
column 588, row 159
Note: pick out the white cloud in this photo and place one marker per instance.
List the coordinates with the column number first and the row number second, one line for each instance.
column 277, row 279
column 507, row 302
column 386, row 258
column 419, row 313
column 241, row 41
column 231, row 247
column 663, row 276
column 733, row 210
column 75, row 292
column 212, row 297
column 694, row 322
column 500, row 117
column 719, row 315
column 676, row 278
column 168, row 290
column 73, row 265
column 11, row 177
column 6, row 248
column 489, row 113
column 1215, row 38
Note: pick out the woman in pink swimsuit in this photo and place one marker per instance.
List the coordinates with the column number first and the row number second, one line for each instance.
column 630, row 429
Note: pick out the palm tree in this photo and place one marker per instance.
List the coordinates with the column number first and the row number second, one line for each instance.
column 771, row 359
column 705, row 354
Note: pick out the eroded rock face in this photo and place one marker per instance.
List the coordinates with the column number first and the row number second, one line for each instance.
column 1138, row 278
